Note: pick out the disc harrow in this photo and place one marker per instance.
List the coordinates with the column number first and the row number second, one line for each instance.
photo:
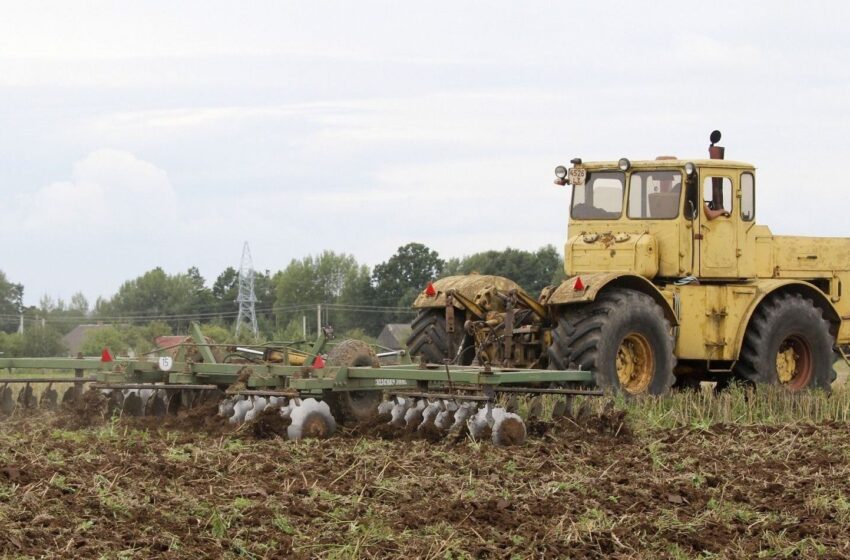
column 434, row 400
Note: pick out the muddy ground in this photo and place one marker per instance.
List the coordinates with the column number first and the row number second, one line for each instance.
column 138, row 489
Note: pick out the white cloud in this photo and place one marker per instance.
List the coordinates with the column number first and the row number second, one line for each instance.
column 107, row 189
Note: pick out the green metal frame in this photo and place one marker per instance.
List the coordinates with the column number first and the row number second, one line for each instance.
column 304, row 380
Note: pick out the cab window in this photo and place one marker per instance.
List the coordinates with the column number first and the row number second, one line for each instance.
column 600, row 198
column 655, row 195
column 748, row 197
column 717, row 193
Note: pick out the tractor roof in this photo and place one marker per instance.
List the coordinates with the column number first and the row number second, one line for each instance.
column 661, row 163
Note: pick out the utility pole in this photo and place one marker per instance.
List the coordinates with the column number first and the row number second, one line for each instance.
column 246, row 297
column 318, row 320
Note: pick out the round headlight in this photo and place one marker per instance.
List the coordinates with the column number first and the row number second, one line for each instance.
column 690, row 169
column 561, row 172
column 624, row 164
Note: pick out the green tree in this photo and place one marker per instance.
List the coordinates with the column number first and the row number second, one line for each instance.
column 157, row 295
column 400, row 279
column 79, row 304
column 41, row 341
column 11, row 304
column 356, row 304
column 107, row 337
column 311, row 281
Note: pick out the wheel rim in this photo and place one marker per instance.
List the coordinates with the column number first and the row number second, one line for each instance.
column 794, row 363
column 635, row 363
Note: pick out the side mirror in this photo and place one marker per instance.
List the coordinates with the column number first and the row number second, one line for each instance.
column 692, row 211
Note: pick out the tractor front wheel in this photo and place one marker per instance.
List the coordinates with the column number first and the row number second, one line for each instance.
column 622, row 337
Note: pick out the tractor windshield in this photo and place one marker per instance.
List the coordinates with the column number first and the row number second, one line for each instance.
column 655, row 195
column 600, row 197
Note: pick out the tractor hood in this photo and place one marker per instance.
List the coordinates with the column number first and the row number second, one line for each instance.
column 612, row 252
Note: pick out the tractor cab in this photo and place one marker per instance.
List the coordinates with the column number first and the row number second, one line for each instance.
column 666, row 217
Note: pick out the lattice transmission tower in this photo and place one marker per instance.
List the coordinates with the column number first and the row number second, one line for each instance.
column 246, row 298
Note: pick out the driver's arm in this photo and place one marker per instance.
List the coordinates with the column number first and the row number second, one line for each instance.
column 711, row 214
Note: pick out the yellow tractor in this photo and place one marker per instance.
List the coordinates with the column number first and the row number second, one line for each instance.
column 670, row 282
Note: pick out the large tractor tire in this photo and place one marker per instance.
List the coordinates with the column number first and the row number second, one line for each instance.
column 622, row 337
column 788, row 343
column 431, row 341
column 353, row 406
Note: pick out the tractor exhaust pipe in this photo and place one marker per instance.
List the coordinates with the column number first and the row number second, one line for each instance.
column 716, row 152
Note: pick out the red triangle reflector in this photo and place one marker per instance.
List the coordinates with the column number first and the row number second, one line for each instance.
column 106, row 355
column 319, row 362
column 579, row 285
column 430, row 291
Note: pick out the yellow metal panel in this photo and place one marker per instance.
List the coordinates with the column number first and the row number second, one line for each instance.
column 710, row 317
column 612, row 252
column 802, row 256
column 593, row 283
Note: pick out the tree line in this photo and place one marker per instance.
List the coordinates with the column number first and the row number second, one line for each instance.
column 356, row 299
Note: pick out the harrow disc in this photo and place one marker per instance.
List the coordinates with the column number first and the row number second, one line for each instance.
column 398, row 411
column 115, row 402
column 502, row 427
column 413, row 416
column 311, row 419
column 7, row 403
column 26, row 398
column 259, row 405
column 508, row 430
column 49, row 398
column 133, row 404
column 69, row 396
column 446, row 417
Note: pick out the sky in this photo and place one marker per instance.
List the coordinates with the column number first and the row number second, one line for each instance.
column 144, row 134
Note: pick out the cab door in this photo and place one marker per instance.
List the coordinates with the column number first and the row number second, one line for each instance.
column 718, row 224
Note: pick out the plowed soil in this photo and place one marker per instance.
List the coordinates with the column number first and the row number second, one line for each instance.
column 195, row 487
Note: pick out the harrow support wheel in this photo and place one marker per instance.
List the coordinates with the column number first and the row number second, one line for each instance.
column 788, row 343
column 353, row 406
column 623, row 337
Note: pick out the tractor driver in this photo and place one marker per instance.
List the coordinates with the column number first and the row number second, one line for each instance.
column 714, row 208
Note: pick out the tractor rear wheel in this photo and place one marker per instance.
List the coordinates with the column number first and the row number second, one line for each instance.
column 788, row 343
column 622, row 337
column 430, row 339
